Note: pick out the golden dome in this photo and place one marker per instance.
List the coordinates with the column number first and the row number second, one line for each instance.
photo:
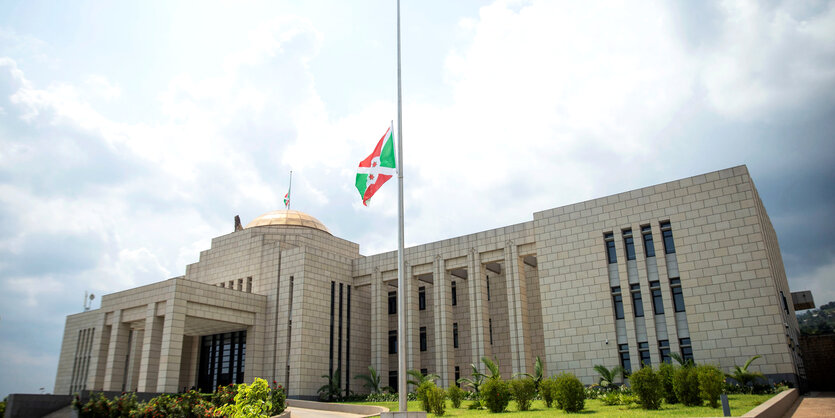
column 287, row 218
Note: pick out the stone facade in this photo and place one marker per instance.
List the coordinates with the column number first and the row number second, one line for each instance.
column 690, row 266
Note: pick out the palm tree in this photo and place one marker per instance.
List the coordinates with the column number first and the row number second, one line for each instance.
column 474, row 382
column 372, row 380
column 537, row 373
column 743, row 376
column 608, row 376
column 678, row 358
column 419, row 378
column 492, row 367
column 333, row 389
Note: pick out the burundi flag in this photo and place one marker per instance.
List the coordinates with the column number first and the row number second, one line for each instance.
column 287, row 200
column 377, row 168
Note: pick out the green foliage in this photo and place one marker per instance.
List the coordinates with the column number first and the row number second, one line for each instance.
column 455, row 394
column 681, row 361
column 224, row 395
column 100, row 406
column 253, row 400
column 422, row 395
column 492, row 367
column 372, row 380
column 3, row 407
column 333, row 389
column 523, row 391
column 419, row 378
column 686, row 386
column 186, row 405
column 537, row 373
column 547, row 390
column 744, row 377
column 436, row 400
column 711, row 381
column 818, row 321
column 608, row 376
column 570, row 394
column 666, row 371
column 646, row 383
column 495, row 394
column 474, row 382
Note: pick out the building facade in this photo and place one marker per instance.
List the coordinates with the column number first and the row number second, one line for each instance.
column 691, row 267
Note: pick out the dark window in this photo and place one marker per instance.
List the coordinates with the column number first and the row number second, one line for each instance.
column 454, row 295
column 610, row 247
column 643, row 350
column 785, row 303
column 664, row 351
column 457, row 375
column 488, row 288
column 623, row 350
column 686, row 349
column 393, row 342
column 424, row 371
column 618, row 300
column 455, row 335
column 392, row 303
column 629, row 244
column 678, row 297
column 422, row 338
column 422, row 298
column 393, row 379
column 657, row 301
column 637, row 301
column 667, row 233
column 490, row 322
column 649, row 247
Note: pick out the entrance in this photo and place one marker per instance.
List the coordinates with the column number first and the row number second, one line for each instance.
column 222, row 360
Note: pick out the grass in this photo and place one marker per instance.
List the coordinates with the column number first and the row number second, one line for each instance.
column 740, row 404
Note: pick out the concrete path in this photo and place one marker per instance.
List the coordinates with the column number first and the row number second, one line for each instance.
column 813, row 405
column 296, row 412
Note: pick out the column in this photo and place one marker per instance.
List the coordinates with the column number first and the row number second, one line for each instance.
column 478, row 308
column 98, row 355
column 151, row 346
column 132, row 380
column 172, row 345
column 379, row 326
column 412, row 321
column 444, row 354
column 517, row 301
column 117, row 351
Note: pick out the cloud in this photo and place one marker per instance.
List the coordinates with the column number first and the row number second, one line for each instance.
column 819, row 281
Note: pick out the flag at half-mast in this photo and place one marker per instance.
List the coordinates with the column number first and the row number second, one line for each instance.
column 377, row 168
column 287, row 200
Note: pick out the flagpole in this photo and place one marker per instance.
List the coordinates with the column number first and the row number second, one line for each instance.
column 290, row 189
column 401, row 267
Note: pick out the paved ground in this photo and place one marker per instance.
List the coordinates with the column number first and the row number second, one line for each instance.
column 812, row 405
column 312, row 413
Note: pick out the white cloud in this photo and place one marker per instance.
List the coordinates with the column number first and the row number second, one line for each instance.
column 821, row 281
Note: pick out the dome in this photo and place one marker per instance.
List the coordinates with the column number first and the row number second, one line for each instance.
column 288, row 218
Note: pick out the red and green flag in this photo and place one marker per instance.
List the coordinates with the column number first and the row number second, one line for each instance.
column 377, row 168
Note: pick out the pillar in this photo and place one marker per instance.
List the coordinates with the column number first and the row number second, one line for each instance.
column 444, row 354
column 172, row 346
column 151, row 346
column 117, row 352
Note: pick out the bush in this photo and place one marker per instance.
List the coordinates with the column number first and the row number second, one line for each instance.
column 547, row 390
column 3, row 408
column 436, row 399
column 253, row 400
column 570, row 394
column 667, row 371
column 455, row 395
column 686, row 386
column 711, row 381
column 495, row 395
column 647, row 385
column 224, row 395
column 189, row 404
column 523, row 391
column 99, row 406
column 422, row 394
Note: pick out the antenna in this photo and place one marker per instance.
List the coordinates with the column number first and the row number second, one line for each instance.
column 88, row 300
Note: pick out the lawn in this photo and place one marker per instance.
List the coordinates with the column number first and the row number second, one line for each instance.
column 740, row 404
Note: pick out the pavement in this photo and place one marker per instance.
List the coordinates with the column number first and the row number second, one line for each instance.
column 813, row 405
column 312, row 413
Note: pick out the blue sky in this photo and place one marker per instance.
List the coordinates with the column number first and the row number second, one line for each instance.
column 132, row 133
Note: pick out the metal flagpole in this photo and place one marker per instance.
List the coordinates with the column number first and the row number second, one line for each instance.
column 401, row 267
column 290, row 189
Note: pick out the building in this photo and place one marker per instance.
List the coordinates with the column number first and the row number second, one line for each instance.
column 691, row 266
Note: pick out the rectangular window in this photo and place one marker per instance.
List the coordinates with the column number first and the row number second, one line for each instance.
column 488, row 288
column 637, row 300
column 667, row 234
column 609, row 238
column 618, row 301
column 424, row 371
column 457, row 375
column 223, row 285
column 393, row 342
column 422, row 338
column 241, row 284
column 623, row 351
column 686, row 349
column 455, row 335
column 393, row 379
column 649, row 247
column 678, row 297
column 392, row 303
column 249, row 284
column 664, row 351
column 454, row 295
column 490, row 322
column 629, row 243
column 785, row 302
column 422, row 298
column 657, row 301
column 643, row 350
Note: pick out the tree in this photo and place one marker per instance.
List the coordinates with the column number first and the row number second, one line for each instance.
column 372, row 380
column 537, row 372
column 608, row 376
column 419, row 378
column 743, row 376
column 475, row 382
column 680, row 360
column 333, row 389
column 492, row 367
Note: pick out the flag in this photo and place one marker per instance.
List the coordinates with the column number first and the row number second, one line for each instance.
column 377, row 168
column 287, row 200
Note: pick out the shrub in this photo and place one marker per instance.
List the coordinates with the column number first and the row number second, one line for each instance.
column 711, row 381
column 686, row 386
column 666, row 371
column 455, row 395
column 436, row 400
column 3, row 408
column 253, row 400
column 99, row 406
column 495, row 395
column 647, row 385
column 523, row 391
column 224, row 395
column 189, row 404
column 547, row 389
column 570, row 394
column 422, row 394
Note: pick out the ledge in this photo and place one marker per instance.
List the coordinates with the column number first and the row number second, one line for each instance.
column 365, row 410
column 775, row 407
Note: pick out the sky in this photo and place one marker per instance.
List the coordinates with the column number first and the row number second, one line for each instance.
column 131, row 133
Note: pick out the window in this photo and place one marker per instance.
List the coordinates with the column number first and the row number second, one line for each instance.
column 240, row 284
column 667, row 233
column 623, row 351
column 610, row 247
column 490, row 322
column 422, row 298
column 424, row 371
column 223, row 285
column 393, row 379
column 649, row 247
column 488, row 288
column 678, row 297
column 457, row 376
column 657, row 301
column 249, row 284
column 643, row 350
column 392, row 303
column 637, row 301
column 393, row 342
column 455, row 335
column 454, row 295
column 422, row 338
column 629, row 244
column 618, row 301
column 664, row 351
column 686, row 349
column 785, row 303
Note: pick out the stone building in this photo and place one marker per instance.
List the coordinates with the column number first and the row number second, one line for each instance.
column 690, row 266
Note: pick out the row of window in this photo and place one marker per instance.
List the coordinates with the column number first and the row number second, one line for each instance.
column 663, row 351
column 657, row 300
column 629, row 244
column 393, row 377
column 423, row 341
column 231, row 284
column 392, row 299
